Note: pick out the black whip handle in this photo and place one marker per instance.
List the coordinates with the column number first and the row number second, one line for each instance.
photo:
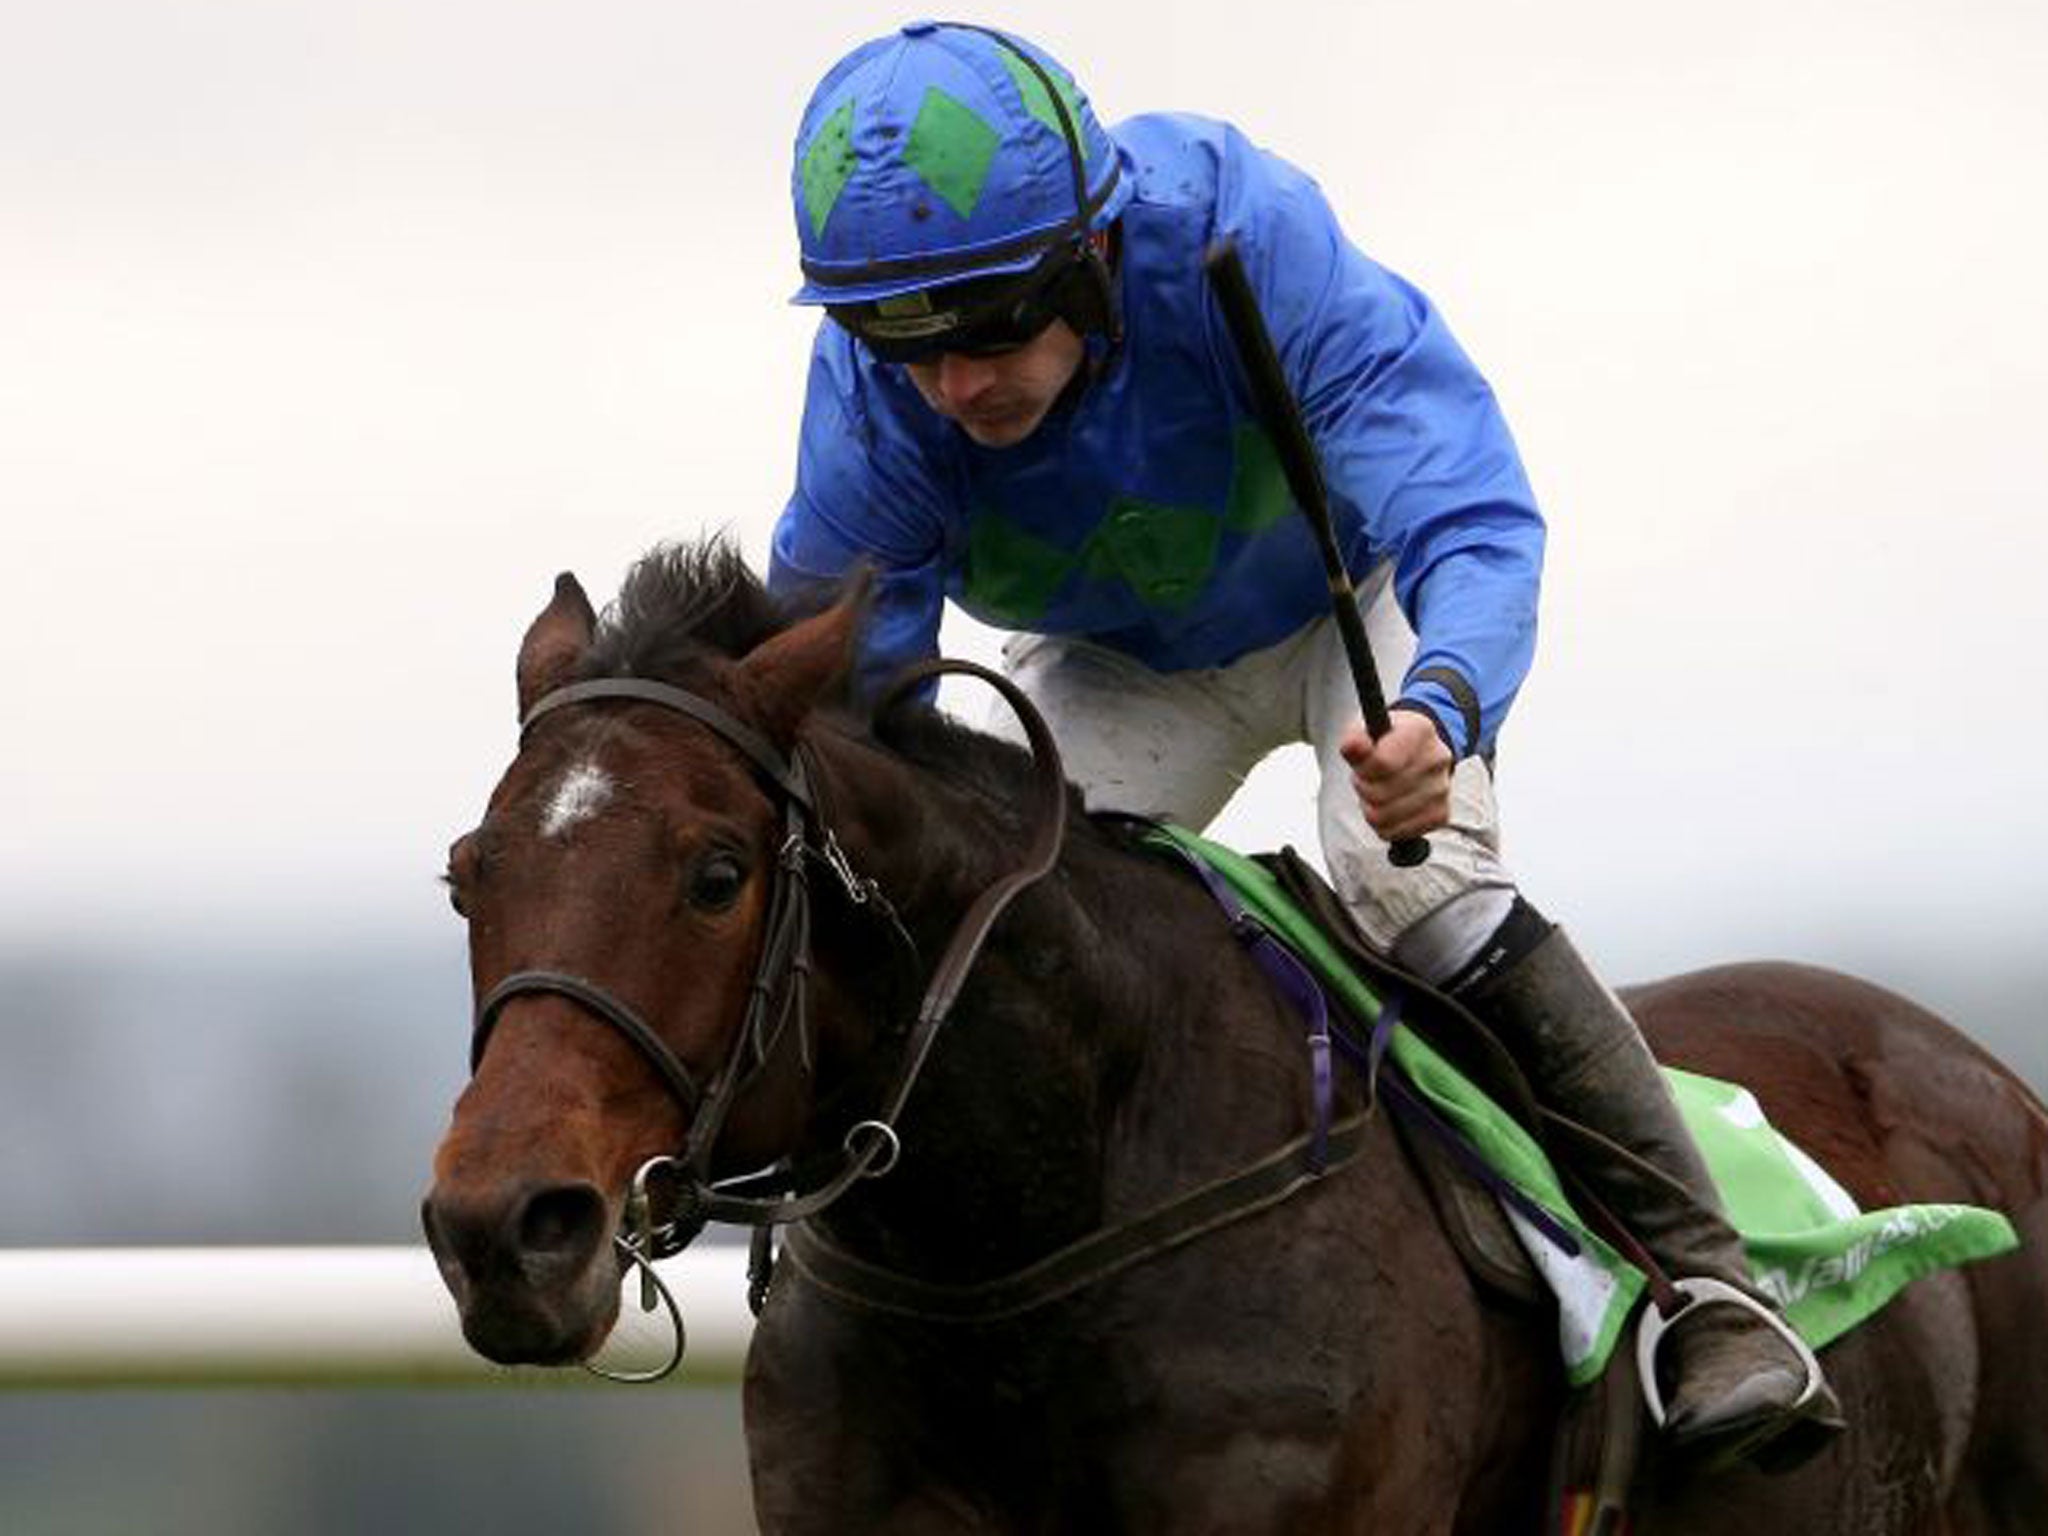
column 1281, row 416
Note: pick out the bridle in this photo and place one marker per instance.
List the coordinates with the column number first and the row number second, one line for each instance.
column 777, row 997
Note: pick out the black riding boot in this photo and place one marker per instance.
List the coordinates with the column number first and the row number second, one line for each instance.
column 1735, row 1383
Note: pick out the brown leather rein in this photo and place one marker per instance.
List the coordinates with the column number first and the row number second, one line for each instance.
column 777, row 997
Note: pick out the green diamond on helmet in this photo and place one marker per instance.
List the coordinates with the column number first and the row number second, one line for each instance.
column 1038, row 102
column 950, row 146
column 828, row 165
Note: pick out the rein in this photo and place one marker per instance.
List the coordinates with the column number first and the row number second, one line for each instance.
column 777, row 996
column 1202, row 1210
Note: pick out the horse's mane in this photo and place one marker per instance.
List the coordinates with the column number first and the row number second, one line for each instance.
column 685, row 608
column 997, row 771
column 681, row 606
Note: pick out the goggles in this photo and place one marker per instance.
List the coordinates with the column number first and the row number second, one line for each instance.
column 985, row 318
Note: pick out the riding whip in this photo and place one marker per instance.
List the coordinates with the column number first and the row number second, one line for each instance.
column 1281, row 415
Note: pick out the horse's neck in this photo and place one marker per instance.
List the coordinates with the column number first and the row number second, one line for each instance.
column 1110, row 1046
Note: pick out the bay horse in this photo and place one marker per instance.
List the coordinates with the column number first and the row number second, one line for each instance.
column 1323, row 1365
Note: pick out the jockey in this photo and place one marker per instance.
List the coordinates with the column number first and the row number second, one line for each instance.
column 1024, row 399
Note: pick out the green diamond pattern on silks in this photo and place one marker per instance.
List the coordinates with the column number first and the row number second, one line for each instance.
column 1164, row 554
column 951, row 146
column 1258, row 485
column 828, row 165
column 1011, row 575
column 1036, row 100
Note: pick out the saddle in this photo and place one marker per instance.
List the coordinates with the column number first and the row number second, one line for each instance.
column 1472, row 1217
column 1600, row 1438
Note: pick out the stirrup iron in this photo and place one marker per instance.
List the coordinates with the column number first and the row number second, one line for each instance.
column 1702, row 1292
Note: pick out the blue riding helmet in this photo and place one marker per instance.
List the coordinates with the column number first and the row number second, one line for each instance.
column 935, row 159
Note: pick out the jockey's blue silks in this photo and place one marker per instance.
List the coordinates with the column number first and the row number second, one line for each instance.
column 1148, row 511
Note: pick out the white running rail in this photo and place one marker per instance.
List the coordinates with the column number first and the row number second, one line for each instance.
column 345, row 1316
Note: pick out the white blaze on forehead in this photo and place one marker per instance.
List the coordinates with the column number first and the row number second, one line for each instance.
column 579, row 796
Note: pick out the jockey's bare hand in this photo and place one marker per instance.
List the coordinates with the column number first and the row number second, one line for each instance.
column 1403, row 779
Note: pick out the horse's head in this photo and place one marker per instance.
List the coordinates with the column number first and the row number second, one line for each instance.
column 618, row 891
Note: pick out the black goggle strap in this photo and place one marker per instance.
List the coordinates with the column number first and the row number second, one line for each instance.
column 1075, row 247
column 1068, row 131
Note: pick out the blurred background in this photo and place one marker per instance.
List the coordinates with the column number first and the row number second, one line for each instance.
column 329, row 334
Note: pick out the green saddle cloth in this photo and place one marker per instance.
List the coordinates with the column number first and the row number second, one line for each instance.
column 1829, row 1265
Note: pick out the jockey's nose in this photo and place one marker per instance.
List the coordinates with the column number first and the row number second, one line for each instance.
column 963, row 379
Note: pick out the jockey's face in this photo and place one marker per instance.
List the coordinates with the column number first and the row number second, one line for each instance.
column 998, row 399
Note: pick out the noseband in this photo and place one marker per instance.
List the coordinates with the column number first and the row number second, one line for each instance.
column 777, row 996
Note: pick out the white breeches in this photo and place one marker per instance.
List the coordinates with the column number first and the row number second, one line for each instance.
column 1178, row 744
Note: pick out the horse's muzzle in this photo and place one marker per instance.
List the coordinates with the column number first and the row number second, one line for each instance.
column 531, row 1267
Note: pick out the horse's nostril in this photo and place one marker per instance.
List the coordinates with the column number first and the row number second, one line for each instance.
column 565, row 1222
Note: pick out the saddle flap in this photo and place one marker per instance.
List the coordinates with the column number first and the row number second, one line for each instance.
column 1475, row 1223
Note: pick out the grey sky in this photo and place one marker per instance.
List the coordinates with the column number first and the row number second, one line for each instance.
column 329, row 333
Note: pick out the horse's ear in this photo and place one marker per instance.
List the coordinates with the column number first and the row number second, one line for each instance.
column 785, row 677
column 554, row 641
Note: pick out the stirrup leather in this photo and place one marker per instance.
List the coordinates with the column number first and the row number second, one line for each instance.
column 1695, row 1294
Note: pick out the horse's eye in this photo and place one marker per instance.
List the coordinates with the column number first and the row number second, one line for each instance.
column 463, row 863
column 717, row 882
